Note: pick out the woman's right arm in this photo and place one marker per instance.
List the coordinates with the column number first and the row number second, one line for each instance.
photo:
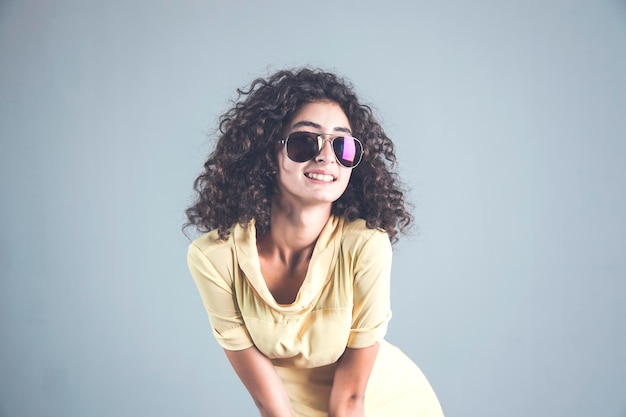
column 262, row 381
column 214, row 280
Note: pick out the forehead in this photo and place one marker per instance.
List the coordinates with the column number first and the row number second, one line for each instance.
column 323, row 116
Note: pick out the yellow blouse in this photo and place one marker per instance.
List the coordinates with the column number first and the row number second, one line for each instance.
column 343, row 301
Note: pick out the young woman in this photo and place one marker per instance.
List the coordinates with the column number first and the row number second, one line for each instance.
column 300, row 207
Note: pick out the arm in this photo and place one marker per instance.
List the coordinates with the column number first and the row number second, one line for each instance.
column 370, row 315
column 348, row 391
column 262, row 381
column 214, row 279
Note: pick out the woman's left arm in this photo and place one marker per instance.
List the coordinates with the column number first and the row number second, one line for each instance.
column 370, row 314
column 348, row 391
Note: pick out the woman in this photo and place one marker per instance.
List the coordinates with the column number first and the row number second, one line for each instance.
column 294, row 270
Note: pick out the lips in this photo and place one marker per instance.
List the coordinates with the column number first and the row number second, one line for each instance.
column 317, row 176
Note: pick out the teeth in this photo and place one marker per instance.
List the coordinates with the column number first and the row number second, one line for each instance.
column 320, row 177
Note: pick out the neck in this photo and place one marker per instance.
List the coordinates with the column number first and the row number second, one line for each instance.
column 294, row 230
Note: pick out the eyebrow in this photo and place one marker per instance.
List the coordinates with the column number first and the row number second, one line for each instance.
column 307, row 123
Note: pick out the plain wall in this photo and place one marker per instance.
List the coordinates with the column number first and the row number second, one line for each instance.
column 510, row 124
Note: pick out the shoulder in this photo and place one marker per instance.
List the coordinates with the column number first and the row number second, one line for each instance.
column 356, row 236
column 357, row 229
column 212, row 255
column 209, row 244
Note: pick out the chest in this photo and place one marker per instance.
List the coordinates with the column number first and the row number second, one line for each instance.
column 312, row 327
column 283, row 281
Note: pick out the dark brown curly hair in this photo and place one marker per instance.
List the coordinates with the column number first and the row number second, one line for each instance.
column 239, row 178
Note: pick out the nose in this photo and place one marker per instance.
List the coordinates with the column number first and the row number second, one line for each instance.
column 326, row 153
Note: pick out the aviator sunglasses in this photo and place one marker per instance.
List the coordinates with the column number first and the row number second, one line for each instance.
column 305, row 146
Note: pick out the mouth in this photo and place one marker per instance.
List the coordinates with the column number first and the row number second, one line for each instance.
column 320, row 177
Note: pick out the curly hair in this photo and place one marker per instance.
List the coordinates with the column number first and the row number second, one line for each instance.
column 239, row 178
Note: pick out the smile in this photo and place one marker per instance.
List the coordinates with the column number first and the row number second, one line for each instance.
column 320, row 177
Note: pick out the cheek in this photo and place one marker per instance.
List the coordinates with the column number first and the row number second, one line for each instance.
column 287, row 169
column 282, row 165
column 286, row 173
column 345, row 178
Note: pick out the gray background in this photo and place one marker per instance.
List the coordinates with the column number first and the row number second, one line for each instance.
column 509, row 119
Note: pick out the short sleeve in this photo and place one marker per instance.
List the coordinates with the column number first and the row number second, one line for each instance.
column 214, row 282
column 371, row 311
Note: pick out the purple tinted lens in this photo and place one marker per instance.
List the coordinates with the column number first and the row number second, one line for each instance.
column 348, row 151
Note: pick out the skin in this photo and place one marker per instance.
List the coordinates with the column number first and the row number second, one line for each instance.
column 299, row 212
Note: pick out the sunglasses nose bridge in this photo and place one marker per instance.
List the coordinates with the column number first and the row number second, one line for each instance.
column 322, row 141
column 326, row 152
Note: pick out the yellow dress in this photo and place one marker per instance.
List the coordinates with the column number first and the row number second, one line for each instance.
column 343, row 302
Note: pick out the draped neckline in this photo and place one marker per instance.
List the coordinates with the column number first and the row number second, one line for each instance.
column 322, row 262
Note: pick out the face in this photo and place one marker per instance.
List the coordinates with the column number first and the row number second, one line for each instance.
column 321, row 180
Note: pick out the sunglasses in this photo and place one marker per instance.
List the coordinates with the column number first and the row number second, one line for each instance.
column 305, row 146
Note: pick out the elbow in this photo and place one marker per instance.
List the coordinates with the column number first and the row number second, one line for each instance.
column 269, row 408
column 353, row 404
column 355, row 398
column 263, row 409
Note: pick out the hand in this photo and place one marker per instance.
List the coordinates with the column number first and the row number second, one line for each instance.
column 347, row 395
